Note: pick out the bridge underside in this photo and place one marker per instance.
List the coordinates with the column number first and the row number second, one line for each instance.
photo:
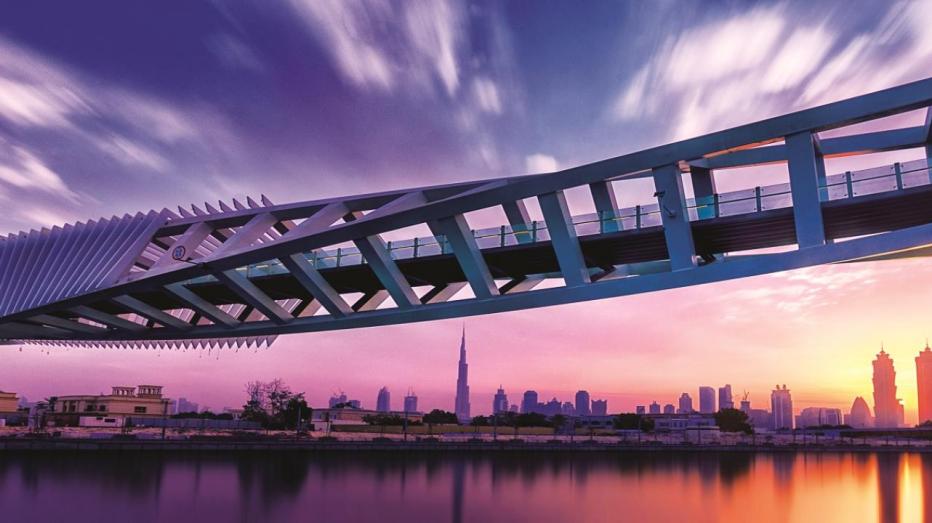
column 245, row 273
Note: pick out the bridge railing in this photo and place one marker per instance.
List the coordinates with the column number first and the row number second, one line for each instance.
column 898, row 176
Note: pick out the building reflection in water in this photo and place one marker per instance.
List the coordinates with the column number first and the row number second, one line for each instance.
column 701, row 487
column 888, row 479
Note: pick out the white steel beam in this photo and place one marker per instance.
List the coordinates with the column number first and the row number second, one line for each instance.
column 107, row 319
column 202, row 306
column 563, row 238
column 519, row 219
column 805, row 172
column 61, row 323
column 315, row 284
column 247, row 234
column 153, row 313
column 183, row 248
column 677, row 230
column 467, row 253
column 442, row 293
column 703, row 191
column 603, row 196
column 253, row 295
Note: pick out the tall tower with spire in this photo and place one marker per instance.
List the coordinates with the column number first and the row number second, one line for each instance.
column 886, row 407
column 462, row 384
column 924, row 383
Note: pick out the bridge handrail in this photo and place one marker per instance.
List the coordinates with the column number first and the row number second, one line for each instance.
column 902, row 175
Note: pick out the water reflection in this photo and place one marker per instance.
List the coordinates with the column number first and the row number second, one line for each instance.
column 434, row 487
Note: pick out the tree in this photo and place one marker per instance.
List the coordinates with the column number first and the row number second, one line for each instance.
column 558, row 421
column 439, row 417
column 733, row 420
column 480, row 421
column 274, row 405
column 630, row 421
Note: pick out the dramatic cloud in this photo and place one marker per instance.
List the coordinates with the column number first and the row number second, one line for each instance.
column 540, row 163
column 758, row 63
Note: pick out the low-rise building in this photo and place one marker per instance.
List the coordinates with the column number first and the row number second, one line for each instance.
column 351, row 416
column 143, row 401
column 8, row 403
column 9, row 408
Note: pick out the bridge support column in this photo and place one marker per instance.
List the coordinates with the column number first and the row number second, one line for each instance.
column 704, row 192
column 563, row 238
column 604, row 198
column 806, row 168
column 928, row 126
column 519, row 219
column 668, row 183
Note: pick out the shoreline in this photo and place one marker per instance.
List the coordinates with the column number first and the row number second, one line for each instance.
column 171, row 445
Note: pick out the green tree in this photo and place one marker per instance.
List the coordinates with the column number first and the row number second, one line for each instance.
column 480, row 421
column 733, row 420
column 557, row 421
column 630, row 421
column 439, row 417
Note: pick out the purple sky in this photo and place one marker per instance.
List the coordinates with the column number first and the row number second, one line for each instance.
column 124, row 106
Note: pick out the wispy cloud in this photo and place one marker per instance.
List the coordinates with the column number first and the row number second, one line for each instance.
column 540, row 163
column 756, row 63
column 21, row 169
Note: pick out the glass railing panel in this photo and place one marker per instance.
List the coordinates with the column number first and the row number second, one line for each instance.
column 737, row 202
column 916, row 178
column 872, row 181
column 402, row 249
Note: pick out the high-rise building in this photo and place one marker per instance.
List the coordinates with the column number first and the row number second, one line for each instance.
column 781, row 406
column 568, row 408
column 640, row 409
column 529, row 402
column 338, row 399
column 924, row 383
column 686, row 404
column 669, row 409
column 886, row 406
column 599, row 407
column 582, row 403
column 654, row 408
column 860, row 416
column 186, row 406
column 383, row 403
column 500, row 401
column 552, row 407
column 462, row 384
column 410, row 401
column 725, row 400
column 818, row 416
column 706, row 400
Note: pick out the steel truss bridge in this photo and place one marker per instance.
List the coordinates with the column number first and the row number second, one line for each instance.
column 243, row 273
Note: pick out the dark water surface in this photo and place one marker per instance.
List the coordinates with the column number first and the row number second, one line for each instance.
column 133, row 487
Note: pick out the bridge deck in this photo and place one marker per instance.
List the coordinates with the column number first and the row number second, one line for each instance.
column 844, row 217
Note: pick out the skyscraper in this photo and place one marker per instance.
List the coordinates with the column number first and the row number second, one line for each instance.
column 686, row 404
column 529, row 402
column 462, row 384
column 781, row 406
column 669, row 409
column 582, row 403
column 500, row 402
column 860, row 417
column 706, row 400
column 924, row 383
column 599, row 407
column 410, row 401
column 725, row 401
column 654, row 408
column 338, row 399
column 886, row 406
column 384, row 401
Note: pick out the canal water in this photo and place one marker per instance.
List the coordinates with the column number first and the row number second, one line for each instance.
column 294, row 486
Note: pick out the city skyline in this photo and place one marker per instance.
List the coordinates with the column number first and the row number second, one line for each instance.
column 572, row 396
column 479, row 114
